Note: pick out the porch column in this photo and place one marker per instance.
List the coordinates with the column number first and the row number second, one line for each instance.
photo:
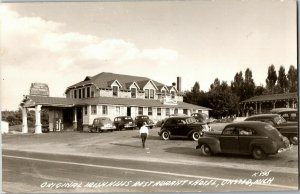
column 293, row 103
column 255, row 107
column 75, row 119
column 260, row 107
column 38, row 125
column 24, row 120
column 274, row 104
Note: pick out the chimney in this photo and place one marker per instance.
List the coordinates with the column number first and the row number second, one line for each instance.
column 179, row 84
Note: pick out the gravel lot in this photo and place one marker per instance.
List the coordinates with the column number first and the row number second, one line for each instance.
column 127, row 145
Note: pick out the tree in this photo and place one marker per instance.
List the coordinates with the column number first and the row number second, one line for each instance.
column 292, row 79
column 260, row 90
column 249, row 85
column 271, row 79
column 237, row 86
column 222, row 100
column 194, row 95
column 282, row 81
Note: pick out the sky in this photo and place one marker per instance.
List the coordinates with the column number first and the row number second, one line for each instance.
column 61, row 43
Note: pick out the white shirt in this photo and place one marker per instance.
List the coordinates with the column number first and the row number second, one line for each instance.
column 144, row 129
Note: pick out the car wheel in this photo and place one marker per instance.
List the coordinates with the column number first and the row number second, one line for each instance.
column 205, row 150
column 196, row 135
column 258, row 153
column 165, row 135
column 294, row 140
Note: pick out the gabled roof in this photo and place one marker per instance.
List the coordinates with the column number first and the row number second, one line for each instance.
column 272, row 97
column 109, row 83
column 100, row 80
column 170, row 87
column 161, row 87
column 129, row 84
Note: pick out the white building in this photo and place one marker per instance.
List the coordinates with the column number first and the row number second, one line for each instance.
column 109, row 95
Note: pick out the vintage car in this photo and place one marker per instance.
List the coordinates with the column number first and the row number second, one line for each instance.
column 124, row 122
column 201, row 117
column 254, row 138
column 182, row 126
column 101, row 124
column 139, row 120
column 287, row 129
column 289, row 114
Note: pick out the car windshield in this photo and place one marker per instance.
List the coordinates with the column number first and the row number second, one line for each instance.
column 279, row 120
column 127, row 118
column 190, row 120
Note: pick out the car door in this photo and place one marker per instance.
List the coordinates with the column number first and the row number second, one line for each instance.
column 246, row 135
column 229, row 140
column 182, row 129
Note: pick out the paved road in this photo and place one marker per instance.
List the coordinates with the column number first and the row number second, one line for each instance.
column 40, row 172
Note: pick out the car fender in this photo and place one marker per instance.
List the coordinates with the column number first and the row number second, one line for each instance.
column 264, row 144
column 213, row 143
column 194, row 130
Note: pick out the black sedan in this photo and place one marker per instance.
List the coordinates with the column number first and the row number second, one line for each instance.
column 248, row 137
column 182, row 126
column 287, row 129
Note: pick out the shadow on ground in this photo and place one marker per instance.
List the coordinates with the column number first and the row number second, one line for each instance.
column 127, row 145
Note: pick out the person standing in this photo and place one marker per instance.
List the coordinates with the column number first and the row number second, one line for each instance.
column 144, row 131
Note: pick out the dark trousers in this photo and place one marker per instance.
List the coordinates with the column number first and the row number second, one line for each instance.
column 144, row 137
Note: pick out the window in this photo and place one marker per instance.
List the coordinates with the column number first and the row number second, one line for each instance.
column 176, row 111
column 167, row 111
column 140, row 110
column 164, row 93
column 199, row 111
column 149, row 110
column 133, row 92
column 94, row 109
column 118, row 110
column 88, row 92
column 152, row 94
column 115, row 90
column 147, row 93
column 75, row 93
column 158, row 111
column 173, row 94
column 185, row 111
column 104, row 110
column 85, row 110
column 246, row 131
column 83, row 92
column 79, row 93
column 230, row 131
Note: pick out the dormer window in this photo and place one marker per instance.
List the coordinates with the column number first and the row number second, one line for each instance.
column 173, row 94
column 151, row 94
column 164, row 93
column 115, row 90
column 147, row 93
column 133, row 92
column 88, row 92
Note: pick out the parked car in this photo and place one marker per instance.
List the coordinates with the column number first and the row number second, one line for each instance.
column 289, row 130
column 201, row 117
column 139, row 120
column 289, row 114
column 254, row 138
column 124, row 122
column 101, row 124
column 183, row 126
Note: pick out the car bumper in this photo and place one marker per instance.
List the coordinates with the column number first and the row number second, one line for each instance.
column 285, row 149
